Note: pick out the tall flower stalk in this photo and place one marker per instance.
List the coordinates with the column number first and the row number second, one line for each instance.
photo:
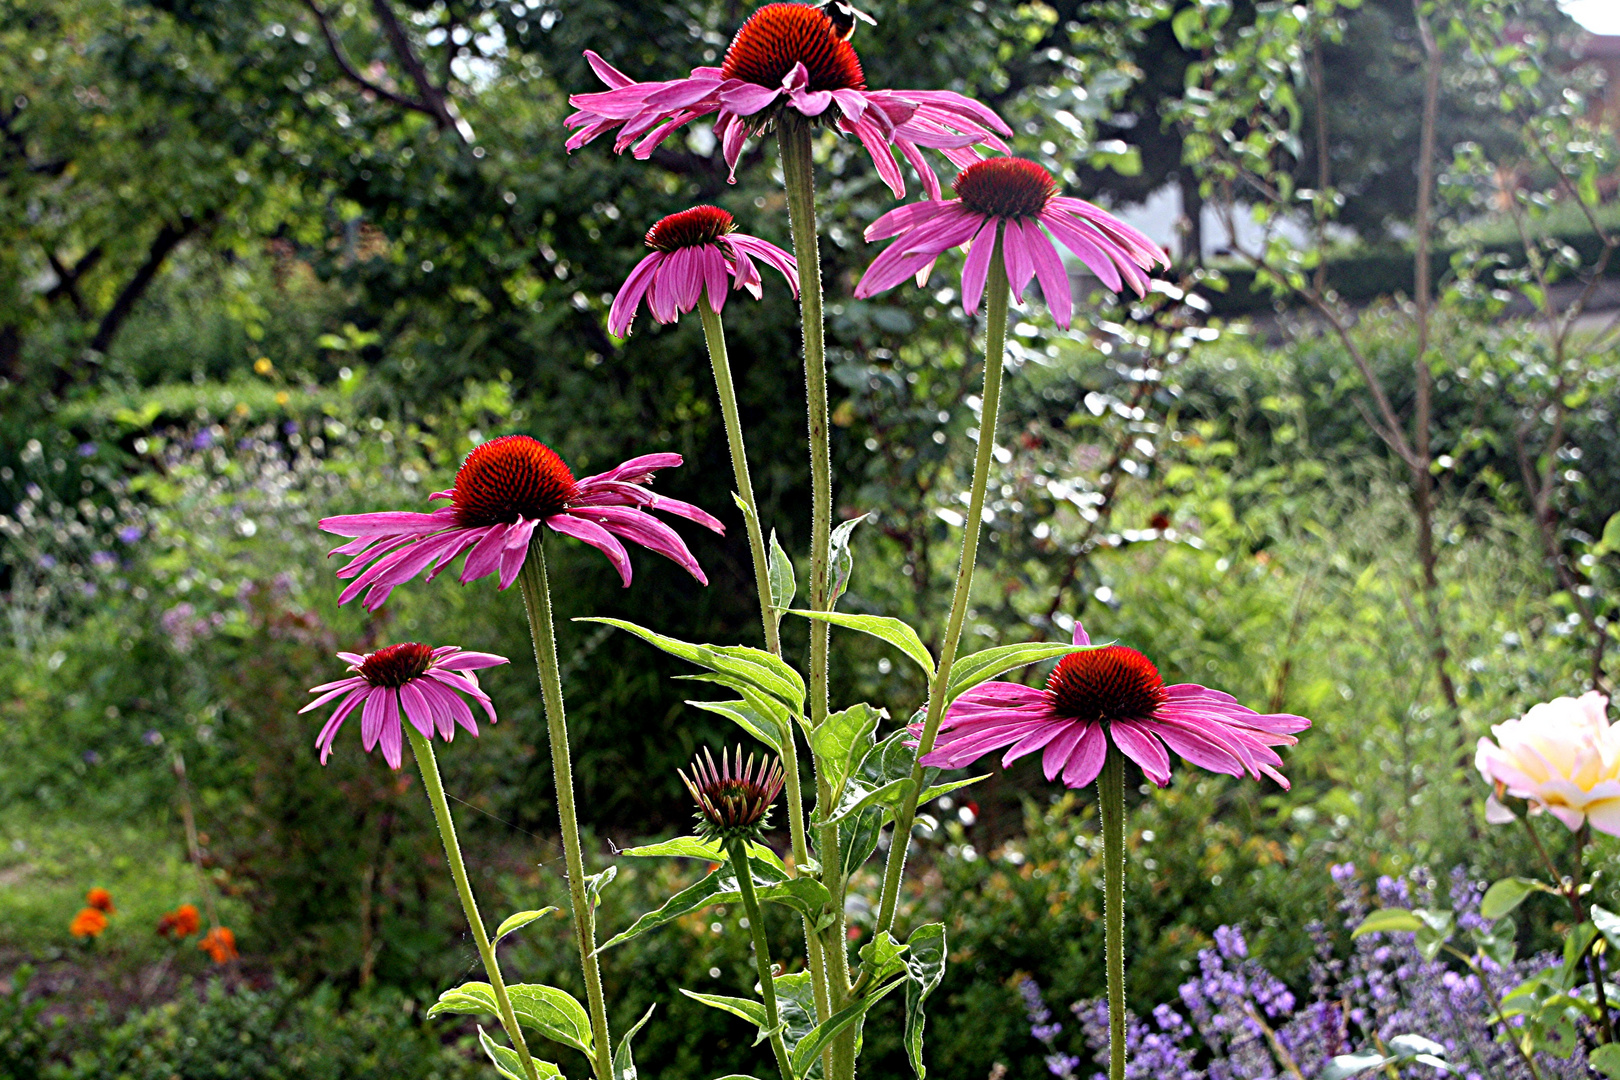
column 828, row 957
column 1111, row 809
column 537, row 602
column 995, row 347
column 429, row 766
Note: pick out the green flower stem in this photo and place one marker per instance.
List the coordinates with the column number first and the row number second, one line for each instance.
column 714, row 334
column 1111, row 806
column 995, row 346
column 798, row 177
column 762, row 953
column 458, row 870
column 537, row 601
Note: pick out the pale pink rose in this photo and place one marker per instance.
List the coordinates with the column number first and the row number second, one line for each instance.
column 1562, row 756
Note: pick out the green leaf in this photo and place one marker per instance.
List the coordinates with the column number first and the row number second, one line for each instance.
column 764, row 728
column 695, row 847
column 1608, row 924
column 809, row 1048
column 552, row 1012
column 509, row 1065
column 1576, row 943
column 1606, row 1060
column 1348, row 1065
column 518, row 921
column 1390, row 920
column 796, row 1006
column 595, row 883
column 945, row 789
column 1499, row 942
column 720, row 887
column 970, row 671
column 1610, row 542
column 765, row 717
column 745, row 1008
column 624, row 1063
column 784, row 586
column 925, row 967
column 1505, row 895
column 882, row 627
column 857, row 839
column 756, row 667
column 1435, row 932
column 858, row 797
column 807, row 896
column 881, row 957
column 840, row 560
column 842, row 740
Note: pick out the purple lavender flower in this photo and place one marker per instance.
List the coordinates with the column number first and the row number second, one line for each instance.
column 131, row 533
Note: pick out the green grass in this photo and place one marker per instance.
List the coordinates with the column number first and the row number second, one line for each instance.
column 48, row 863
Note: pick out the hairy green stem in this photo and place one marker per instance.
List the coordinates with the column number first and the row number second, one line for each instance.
column 831, row 981
column 995, row 345
column 714, row 334
column 1111, row 808
column 429, row 765
column 537, row 601
column 762, row 953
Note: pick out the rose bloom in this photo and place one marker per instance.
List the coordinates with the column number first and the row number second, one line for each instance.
column 1563, row 757
column 88, row 923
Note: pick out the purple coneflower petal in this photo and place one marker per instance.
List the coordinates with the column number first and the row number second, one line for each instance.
column 1085, row 761
column 418, row 710
column 976, row 267
column 1049, row 271
column 1140, row 746
column 581, row 528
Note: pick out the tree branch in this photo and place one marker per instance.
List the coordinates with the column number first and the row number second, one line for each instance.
column 334, row 44
column 168, row 238
column 438, row 106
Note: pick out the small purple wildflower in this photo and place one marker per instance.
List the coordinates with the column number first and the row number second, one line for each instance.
column 101, row 560
column 131, row 533
column 87, row 449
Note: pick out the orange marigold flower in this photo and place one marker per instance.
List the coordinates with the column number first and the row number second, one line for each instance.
column 182, row 922
column 100, row 899
column 220, row 944
column 88, row 923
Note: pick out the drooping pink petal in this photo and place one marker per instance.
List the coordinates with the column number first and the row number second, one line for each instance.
column 976, row 267
column 1086, row 759
column 392, row 736
column 581, row 528
column 649, row 532
column 1141, row 747
column 418, row 710
column 1049, row 271
column 517, row 549
column 623, row 311
column 1020, row 262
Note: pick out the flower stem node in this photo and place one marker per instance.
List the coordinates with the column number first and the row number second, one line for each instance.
column 734, row 800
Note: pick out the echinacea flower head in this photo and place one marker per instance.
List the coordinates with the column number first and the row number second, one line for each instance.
column 734, row 800
column 789, row 58
column 1014, row 198
column 417, row 680
column 220, row 944
column 1112, row 695
column 88, row 923
column 100, row 899
column 695, row 253
column 505, row 490
column 1563, row 756
column 182, row 922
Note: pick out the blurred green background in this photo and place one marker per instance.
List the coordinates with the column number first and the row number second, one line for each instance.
column 252, row 274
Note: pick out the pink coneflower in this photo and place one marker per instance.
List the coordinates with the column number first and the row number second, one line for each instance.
column 1015, row 197
column 503, row 492
column 789, row 56
column 418, row 680
column 693, row 253
column 1113, row 693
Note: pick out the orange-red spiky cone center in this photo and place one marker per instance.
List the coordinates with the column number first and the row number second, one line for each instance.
column 777, row 36
column 690, row 228
column 1005, row 187
column 396, row 665
column 1111, row 683
column 510, row 478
